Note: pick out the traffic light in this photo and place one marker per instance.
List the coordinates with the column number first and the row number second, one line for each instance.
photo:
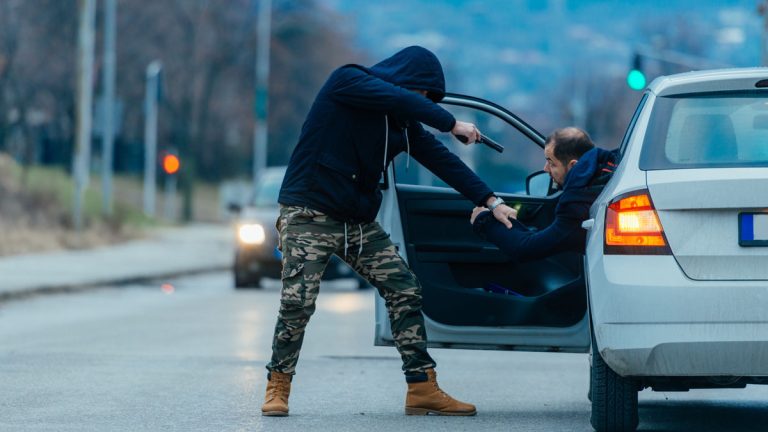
column 636, row 78
column 171, row 163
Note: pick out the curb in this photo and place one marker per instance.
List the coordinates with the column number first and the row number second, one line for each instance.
column 26, row 293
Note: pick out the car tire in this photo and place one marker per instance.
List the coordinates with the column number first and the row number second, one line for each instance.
column 589, row 391
column 245, row 280
column 614, row 398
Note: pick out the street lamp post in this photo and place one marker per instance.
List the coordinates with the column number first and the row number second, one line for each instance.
column 82, row 158
column 151, row 96
column 110, row 12
column 262, row 88
column 171, row 166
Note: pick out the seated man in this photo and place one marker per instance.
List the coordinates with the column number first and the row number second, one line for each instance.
column 581, row 170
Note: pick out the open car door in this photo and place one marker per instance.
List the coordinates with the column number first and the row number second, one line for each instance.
column 474, row 295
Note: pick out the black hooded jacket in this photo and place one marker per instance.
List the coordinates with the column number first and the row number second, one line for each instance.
column 360, row 120
column 583, row 184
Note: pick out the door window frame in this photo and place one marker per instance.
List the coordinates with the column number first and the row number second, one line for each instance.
column 502, row 113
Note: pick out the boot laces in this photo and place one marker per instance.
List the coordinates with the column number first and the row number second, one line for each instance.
column 278, row 389
column 440, row 391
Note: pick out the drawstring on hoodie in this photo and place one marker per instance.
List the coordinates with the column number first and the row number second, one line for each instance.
column 346, row 244
column 386, row 142
column 346, row 241
column 386, row 145
column 407, row 150
column 360, row 249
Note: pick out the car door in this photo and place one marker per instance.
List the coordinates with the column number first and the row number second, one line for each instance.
column 474, row 295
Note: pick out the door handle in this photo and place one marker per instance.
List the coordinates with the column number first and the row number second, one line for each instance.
column 588, row 224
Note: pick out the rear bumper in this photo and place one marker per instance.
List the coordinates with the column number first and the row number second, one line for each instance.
column 684, row 349
column 649, row 319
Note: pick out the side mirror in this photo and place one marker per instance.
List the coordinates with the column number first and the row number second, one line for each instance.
column 234, row 207
column 538, row 184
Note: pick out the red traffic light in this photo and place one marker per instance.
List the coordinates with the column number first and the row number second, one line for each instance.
column 171, row 164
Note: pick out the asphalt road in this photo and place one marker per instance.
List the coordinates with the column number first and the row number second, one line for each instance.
column 190, row 357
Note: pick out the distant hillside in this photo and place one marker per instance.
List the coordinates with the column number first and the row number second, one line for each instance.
column 516, row 51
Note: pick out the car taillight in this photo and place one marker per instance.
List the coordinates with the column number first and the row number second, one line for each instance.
column 632, row 227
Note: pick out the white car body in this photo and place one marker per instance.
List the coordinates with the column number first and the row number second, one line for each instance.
column 700, row 311
column 691, row 312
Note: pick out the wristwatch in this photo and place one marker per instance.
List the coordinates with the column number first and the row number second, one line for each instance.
column 497, row 202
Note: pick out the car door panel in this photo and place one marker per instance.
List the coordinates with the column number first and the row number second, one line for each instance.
column 456, row 268
column 475, row 296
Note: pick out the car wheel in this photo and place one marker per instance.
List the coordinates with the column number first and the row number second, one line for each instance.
column 245, row 280
column 589, row 391
column 614, row 398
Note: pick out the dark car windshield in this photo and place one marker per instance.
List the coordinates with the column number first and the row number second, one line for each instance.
column 707, row 131
column 267, row 189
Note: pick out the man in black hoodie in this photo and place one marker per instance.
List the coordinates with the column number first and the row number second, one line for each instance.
column 360, row 120
column 581, row 170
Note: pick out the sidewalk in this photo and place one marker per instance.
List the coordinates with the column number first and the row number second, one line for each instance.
column 164, row 253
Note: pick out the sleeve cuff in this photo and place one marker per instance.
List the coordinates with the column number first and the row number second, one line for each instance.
column 480, row 221
column 482, row 201
column 451, row 124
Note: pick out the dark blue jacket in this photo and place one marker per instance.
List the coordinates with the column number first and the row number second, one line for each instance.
column 583, row 183
column 358, row 115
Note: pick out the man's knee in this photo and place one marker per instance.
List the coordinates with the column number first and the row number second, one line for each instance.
column 294, row 309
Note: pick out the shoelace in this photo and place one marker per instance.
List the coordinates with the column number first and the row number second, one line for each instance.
column 278, row 390
column 439, row 390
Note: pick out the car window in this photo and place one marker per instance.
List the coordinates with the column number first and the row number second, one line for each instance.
column 503, row 172
column 267, row 189
column 707, row 130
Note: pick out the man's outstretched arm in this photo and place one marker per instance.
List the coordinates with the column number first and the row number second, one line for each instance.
column 523, row 244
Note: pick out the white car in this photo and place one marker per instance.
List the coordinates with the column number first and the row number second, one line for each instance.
column 672, row 293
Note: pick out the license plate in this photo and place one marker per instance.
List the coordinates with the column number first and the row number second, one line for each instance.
column 753, row 229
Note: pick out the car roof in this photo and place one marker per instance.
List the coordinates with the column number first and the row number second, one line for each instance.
column 715, row 80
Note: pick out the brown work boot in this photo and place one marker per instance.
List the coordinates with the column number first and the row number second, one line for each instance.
column 276, row 400
column 427, row 398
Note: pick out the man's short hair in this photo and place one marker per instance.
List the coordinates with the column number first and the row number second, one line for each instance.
column 569, row 143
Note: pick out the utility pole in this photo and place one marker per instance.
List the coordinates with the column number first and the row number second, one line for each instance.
column 762, row 9
column 171, row 166
column 263, row 35
column 108, row 82
column 151, row 96
column 82, row 160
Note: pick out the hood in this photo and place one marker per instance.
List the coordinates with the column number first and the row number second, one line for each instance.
column 590, row 165
column 414, row 68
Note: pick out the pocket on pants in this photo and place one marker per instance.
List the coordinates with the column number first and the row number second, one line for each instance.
column 292, row 267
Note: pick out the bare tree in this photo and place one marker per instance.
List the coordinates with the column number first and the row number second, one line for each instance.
column 208, row 52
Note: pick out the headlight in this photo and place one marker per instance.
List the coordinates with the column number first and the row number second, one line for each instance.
column 251, row 234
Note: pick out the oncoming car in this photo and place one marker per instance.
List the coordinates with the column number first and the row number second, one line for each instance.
column 672, row 293
column 256, row 252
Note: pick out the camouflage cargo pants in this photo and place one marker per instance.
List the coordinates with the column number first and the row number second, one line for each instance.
column 308, row 238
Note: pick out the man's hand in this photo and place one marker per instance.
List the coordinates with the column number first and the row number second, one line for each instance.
column 475, row 212
column 467, row 130
column 503, row 213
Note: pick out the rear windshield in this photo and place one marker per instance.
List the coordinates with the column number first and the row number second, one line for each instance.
column 707, row 131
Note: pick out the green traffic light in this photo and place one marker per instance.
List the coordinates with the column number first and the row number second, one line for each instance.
column 636, row 79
